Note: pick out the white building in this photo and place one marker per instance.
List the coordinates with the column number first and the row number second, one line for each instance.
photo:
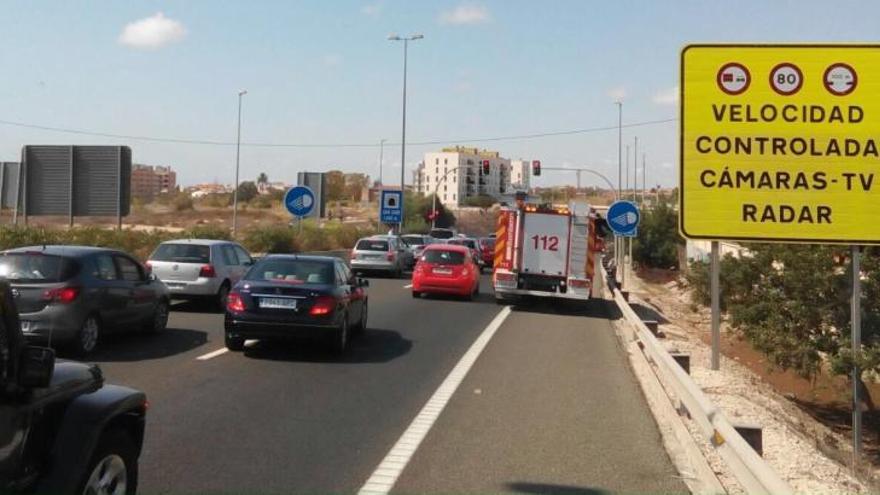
column 457, row 174
column 520, row 172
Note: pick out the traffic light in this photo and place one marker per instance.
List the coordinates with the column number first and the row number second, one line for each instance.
column 485, row 167
column 536, row 167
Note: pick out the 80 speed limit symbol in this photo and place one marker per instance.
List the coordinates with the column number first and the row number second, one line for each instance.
column 786, row 79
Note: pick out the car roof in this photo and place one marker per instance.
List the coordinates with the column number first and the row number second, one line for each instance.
column 299, row 257
column 199, row 242
column 448, row 247
column 63, row 250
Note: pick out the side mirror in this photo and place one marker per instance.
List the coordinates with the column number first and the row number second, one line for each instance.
column 362, row 282
column 35, row 367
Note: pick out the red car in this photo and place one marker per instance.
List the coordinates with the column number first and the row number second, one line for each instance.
column 446, row 269
column 487, row 251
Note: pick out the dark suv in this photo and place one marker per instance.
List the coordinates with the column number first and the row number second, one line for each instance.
column 62, row 430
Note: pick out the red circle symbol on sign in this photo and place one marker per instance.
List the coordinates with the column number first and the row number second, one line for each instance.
column 840, row 79
column 733, row 78
column 786, row 79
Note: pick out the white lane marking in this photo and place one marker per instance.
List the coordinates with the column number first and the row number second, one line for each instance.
column 408, row 286
column 385, row 476
column 222, row 351
column 210, row 355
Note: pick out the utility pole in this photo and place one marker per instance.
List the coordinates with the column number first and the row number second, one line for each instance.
column 237, row 157
column 644, row 178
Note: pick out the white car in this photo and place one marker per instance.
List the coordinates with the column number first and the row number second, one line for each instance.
column 200, row 268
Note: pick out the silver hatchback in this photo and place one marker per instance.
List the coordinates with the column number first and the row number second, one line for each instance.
column 379, row 254
column 200, row 268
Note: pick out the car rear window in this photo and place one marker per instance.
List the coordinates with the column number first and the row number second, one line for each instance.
column 292, row 272
column 37, row 268
column 441, row 256
column 414, row 240
column 370, row 245
column 488, row 243
column 442, row 234
column 463, row 242
column 182, row 253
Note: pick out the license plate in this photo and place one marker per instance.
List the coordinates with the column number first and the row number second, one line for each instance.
column 175, row 286
column 277, row 303
column 442, row 271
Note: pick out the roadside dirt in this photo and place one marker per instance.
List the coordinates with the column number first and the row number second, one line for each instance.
column 825, row 399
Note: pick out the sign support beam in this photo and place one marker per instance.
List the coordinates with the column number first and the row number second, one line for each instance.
column 856, row 348
column 716, row 307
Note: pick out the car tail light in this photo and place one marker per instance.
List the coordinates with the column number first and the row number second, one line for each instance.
column 465, row 272
column 353, row 255
column 208, row 271
column 148, row 266
column 63, row 295
column 389, row 256
column 324, row 305
column 235, row 303
column 505, row 277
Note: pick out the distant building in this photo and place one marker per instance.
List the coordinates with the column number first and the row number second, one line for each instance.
column 520, row 172
column 456, row 174
column 202, row 190
column 270, row 187
column 147, row 180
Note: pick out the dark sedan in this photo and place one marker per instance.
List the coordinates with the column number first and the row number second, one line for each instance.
column 285, row 296
column 73, row 295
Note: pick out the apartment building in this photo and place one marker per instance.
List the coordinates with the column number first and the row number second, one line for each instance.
column 456, row 173
column 147, row 180
column 520, row 172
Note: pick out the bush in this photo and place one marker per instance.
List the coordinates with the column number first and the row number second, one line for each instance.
column 279, row 239
column 182, row 202
column 217, row 200
column 208, row 232
column 262, row 202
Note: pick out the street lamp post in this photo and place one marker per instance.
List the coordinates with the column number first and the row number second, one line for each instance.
column 406, row 40
column 436, row 189
column 237, row 158
column 381, row 152
column 617, row 239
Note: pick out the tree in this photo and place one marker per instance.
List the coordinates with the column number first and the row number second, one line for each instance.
column 417, row 207
column 480, row 201
column 791, row 302
column 262, row 179
column 354, row 185
column 247, row 191
column 657, row 243
column 335, row 185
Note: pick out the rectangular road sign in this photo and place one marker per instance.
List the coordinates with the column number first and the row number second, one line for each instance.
column 780, row 143
column 391, row 206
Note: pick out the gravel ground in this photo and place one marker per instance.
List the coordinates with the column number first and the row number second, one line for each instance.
column 790, row 437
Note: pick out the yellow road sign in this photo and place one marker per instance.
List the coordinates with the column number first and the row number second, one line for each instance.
column 780, row 143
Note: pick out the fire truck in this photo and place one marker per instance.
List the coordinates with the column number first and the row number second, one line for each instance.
column 546, row 251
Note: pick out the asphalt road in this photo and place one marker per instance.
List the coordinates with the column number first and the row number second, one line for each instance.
column 557, row 405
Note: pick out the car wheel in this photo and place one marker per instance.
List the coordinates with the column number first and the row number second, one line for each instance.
column 113, row 468
column 160, row 318
column 362, row 325
column 340, row 337
column 477, row 289
column 235, row 344
column 416, row 294
column 87, row 338
column 222, row 296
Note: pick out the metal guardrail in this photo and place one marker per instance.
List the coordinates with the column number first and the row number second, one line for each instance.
column 752, row 472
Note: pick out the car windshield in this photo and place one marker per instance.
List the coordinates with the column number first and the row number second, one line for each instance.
column 292, row 272
column 487, row 243
column 444, row 257
column 36, row 268
column 372, row 245
column 182, row 253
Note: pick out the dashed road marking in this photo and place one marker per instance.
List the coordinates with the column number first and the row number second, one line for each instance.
column 389, row 470
column 213, row 354
column 408, row 286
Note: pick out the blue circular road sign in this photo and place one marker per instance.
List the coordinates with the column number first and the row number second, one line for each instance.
column 623, row 218
column 299, row 201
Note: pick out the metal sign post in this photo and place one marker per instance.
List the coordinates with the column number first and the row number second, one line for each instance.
column 716, row 306
column 856, row 347
column 299, row 201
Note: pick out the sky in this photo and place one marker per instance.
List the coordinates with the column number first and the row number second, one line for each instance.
column 322, row 76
